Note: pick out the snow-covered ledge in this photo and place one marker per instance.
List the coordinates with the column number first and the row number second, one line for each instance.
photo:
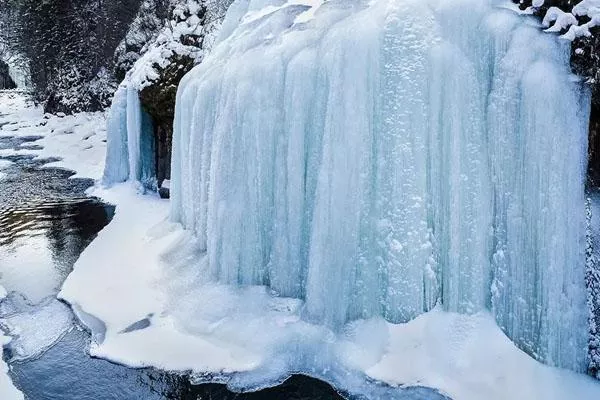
column 557, row 20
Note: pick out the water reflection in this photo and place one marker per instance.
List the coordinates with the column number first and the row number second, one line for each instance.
column 40, row 242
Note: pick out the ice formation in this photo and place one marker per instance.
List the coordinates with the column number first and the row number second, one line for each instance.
column 130, row 144
column 130, row 153
column 382, row 156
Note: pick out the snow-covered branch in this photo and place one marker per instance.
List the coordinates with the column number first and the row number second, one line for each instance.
column 573, row 21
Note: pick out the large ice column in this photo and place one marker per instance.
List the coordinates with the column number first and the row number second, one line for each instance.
column 538, row 230
column 460, row 185
column 388, row 155
column 130, row 141
column 116, row 167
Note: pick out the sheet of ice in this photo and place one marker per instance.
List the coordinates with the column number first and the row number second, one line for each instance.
column 33, row 329
column 416, row 140
column 251, row 339
column 117, row 146
column 130, row 154
column 7, row 390
column 130, row 151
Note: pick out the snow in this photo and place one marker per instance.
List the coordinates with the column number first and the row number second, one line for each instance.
column 160, row 52
column 557, row 20
column 130, row 142
column 256, row 11
column 79, row 139
column 467, row 354
column 250, row 338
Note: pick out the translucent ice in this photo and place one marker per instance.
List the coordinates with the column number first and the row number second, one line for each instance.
column 388, row 155
column 130, row 141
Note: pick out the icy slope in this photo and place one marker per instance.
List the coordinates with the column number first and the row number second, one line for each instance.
column 387, row 155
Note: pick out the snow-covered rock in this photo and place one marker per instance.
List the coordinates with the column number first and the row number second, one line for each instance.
column 151, row 84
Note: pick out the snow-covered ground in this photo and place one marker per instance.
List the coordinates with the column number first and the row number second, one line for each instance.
column 216, row 329
column 156, row 314
column 78, row 140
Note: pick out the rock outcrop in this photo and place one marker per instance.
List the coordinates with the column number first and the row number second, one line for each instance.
column 6, row 81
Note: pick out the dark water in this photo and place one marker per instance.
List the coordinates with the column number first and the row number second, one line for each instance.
column 46, row 221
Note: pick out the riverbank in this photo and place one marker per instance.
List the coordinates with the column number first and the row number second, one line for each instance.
column 81, row 136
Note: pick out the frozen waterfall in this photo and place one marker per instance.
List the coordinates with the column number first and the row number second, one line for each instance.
column 130, row 144
column 387, row 155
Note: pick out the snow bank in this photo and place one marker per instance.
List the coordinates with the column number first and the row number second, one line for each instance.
column 557, row 20
column 466, row 355
column 162, row 313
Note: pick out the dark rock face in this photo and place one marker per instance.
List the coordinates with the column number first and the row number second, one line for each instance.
column 158, row 100
column 6, row 82
column 585, row 60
